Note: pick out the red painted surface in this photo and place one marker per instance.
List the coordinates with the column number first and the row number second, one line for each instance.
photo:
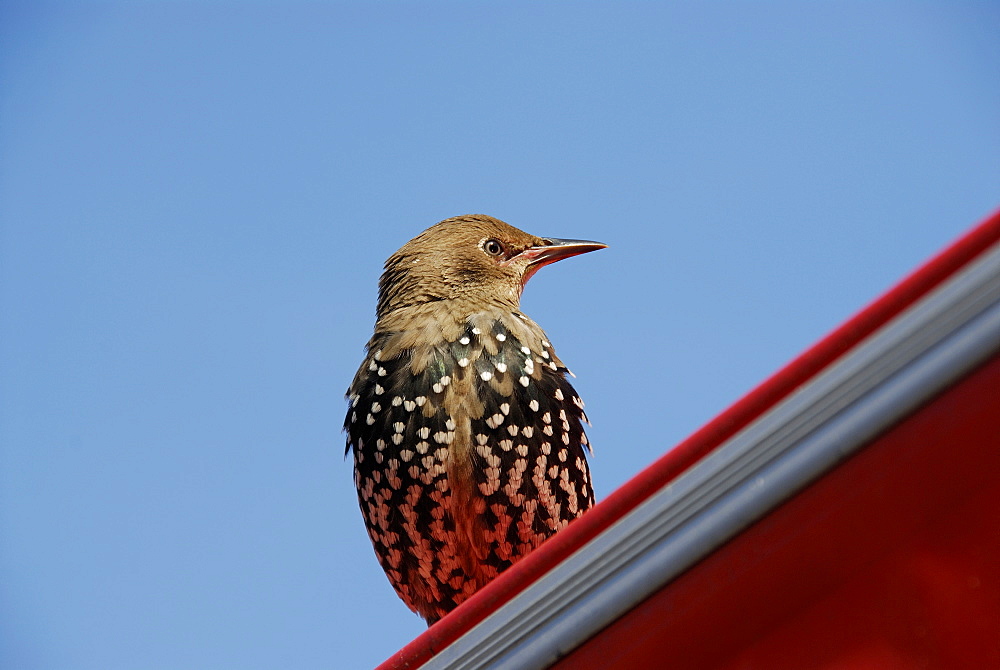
column 695, row 447
column 891, row 560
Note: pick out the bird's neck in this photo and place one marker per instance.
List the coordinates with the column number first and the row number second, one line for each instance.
column 440, row 323
column 440, row 318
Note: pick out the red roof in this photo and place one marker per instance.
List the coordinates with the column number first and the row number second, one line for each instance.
column 755, row 597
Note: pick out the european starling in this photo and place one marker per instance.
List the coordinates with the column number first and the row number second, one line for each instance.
column 467, row 436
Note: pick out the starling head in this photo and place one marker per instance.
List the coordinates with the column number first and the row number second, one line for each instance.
column 474, row 261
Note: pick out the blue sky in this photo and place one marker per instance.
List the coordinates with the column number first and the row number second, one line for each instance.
column 196, row 200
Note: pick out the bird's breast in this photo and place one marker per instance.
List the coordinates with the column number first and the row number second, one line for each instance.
column 475, row 443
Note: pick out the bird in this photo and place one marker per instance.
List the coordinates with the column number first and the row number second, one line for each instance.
column 467, row 436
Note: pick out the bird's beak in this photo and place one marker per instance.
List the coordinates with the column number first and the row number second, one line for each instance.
column 554, row 249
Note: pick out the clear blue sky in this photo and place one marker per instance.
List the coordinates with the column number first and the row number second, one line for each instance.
column 196, row 200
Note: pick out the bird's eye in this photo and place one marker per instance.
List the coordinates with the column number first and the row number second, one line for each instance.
column 493, row 247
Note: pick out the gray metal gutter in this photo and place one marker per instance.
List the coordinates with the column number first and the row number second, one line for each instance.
column 871, row 387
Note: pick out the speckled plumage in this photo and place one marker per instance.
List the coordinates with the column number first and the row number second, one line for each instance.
column 468, row 438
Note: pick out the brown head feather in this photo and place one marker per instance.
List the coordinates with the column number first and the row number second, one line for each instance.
column 448, row 261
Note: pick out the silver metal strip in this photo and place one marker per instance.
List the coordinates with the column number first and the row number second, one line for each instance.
column 906, row 362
